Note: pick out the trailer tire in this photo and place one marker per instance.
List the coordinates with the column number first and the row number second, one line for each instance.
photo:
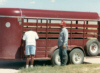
column 56, row 58
column 76, row 56
column 92, row 47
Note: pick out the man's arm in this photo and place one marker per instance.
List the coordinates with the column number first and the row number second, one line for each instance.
column 36, row 37
column 23, row 43
column 65, row 38
column 23, row 40
column 58, row 40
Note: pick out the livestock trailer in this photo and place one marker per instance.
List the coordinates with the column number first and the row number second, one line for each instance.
column 83, row 28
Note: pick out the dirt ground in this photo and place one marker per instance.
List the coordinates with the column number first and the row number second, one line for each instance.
column 91, row 60
column 14, row 66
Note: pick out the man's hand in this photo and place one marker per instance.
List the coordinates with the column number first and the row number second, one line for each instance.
column 63, row 46
column 58, row 46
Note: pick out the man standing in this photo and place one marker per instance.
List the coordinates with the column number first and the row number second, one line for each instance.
column 30, row 38
column 62, row 43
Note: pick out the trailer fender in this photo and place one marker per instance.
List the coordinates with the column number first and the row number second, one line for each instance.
column 79, row 47
column 51, row 51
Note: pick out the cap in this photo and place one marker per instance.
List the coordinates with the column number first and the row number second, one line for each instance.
column 63, row 23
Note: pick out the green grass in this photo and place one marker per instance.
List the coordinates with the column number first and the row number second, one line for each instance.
column 82, row 68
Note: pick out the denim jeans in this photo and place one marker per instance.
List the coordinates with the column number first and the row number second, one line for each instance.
column 30, row 50
column 63, row 55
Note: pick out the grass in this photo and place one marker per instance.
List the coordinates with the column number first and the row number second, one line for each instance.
column 82, row 68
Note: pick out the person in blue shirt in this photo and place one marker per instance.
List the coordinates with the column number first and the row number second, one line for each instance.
column 62, row 43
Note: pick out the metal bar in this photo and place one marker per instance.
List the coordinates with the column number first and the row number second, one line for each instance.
column 48, row 18
column 92, row 31
column 91, row 26
column 77, row 30
column 83, row 33
column 46, row 37
column 61, row 18
column 71, row 32
column 90, row 35
column 29, row 24
column 77, row 25
column 77, row 35
column 42, row 35
column 22, row 50
column 53, row 35
column 99, row 31
column 37, row 25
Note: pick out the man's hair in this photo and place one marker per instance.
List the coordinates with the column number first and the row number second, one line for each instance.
column 30, row 30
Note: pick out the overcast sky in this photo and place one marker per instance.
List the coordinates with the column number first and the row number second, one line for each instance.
column 65, row 5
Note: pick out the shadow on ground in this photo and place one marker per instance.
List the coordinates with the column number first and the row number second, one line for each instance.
column 18, row 64
column 86, row 63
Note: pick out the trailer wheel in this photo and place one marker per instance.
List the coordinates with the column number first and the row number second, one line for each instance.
column 92, row 47
column 76, row 56
column 56, row 58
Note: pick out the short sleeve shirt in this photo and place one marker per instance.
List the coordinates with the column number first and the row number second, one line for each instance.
column 30, row 37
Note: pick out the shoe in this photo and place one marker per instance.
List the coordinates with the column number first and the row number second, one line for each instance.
column 63, row 65
column 27, row 66
column 31, row 66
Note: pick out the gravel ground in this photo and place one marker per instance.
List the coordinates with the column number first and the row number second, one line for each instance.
column 14, row 66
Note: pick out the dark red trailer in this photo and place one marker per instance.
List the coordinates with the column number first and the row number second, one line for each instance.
column 83, row 27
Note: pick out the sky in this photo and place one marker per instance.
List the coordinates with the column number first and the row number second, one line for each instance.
column 63, row 5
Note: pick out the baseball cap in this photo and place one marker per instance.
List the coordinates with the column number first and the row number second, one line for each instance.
column 63, row 23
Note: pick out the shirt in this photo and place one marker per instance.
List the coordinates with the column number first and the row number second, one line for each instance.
column 30, row 37
column 63, row 37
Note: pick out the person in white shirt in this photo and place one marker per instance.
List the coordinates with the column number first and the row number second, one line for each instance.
column 30, row 38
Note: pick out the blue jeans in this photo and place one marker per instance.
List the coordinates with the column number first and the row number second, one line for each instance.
column 63, row 55
column 30, row 50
